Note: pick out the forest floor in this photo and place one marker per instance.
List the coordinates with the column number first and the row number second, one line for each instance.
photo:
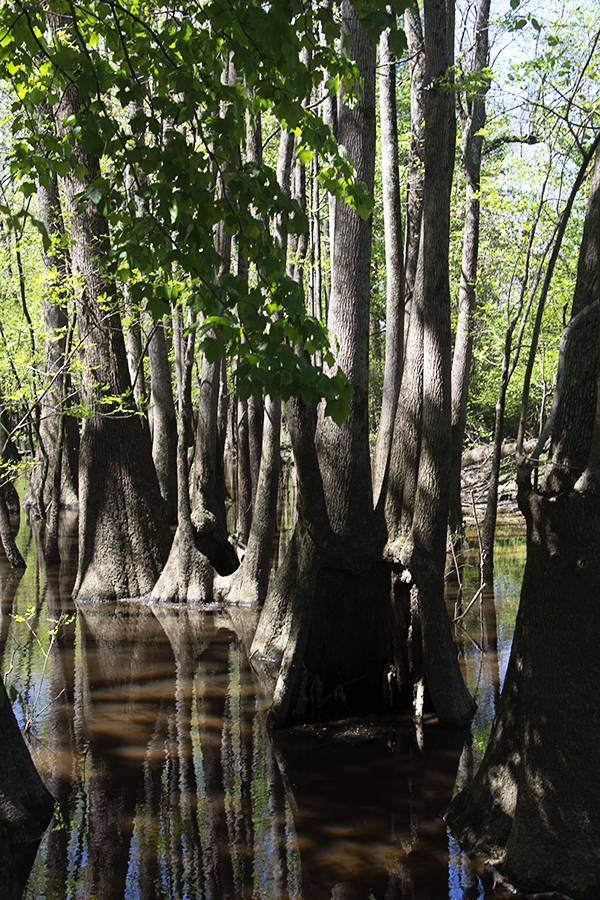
column 476, row 470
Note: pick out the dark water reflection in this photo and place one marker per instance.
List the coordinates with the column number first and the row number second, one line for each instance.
column 147, row 726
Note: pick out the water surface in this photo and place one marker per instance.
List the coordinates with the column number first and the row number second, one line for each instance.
column 149, row 729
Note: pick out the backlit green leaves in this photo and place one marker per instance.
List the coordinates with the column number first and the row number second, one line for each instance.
column 169, row 127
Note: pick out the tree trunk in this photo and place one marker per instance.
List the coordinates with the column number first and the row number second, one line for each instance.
column 328, row 643
column 164, row 421
column 208, row 485
column 473, row 122
column 394, row 331
column 534, row 802
column 423, row 552
column 13, row 554
column 56, row 265
column 188, row 575
column 406, row 444
column 26, row 807
column 575, row 418
column 244, row 478
column 248, row 585
column 123, row 533
column 414, row 198
column 344, row 451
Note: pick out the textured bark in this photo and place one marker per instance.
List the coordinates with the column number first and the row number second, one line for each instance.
column 255, row 430
column 56, row 264
column 123, row 533
column 188, row 575
column 473, row 121
column 414, row 198
column 249, row 584
column 244, row 478
column 164, row 421
column 13, row 553
column 406, row 444
column 576, row 414
column 344, row 451
column 534, row 801
column 424, row 551
column 327, row 638
column 208, row 485
column 394, row 330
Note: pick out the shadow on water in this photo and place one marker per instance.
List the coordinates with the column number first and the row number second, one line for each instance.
column 149, row 730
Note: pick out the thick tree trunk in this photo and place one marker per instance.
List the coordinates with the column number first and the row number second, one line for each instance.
column 248, row 585
column 327, row 641
column 414, row 198
column 406, row 444
column 188, row 575
column 576, row 413
column 534, row 803
column 123, row 532
column 423, row 551
column 344, row 451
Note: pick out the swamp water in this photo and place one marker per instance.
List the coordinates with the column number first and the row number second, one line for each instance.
column 149, row 730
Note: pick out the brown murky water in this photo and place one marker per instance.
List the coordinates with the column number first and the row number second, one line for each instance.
column 148, row 728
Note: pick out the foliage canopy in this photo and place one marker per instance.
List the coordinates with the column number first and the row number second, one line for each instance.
column 165, row 95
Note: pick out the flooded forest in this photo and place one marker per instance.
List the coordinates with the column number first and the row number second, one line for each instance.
column 299, row 449
column 149, row 728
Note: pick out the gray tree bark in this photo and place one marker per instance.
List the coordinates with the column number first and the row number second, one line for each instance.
column 423, row 551
column 473, row 117
column 406, row 443
column 123, row 532
column 414, row 197
column 394, row 265
column 56, row 264
column 534, row 801
column 327, row 642
column 164, row 421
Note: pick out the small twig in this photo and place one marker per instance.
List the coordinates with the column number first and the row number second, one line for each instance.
column 472, row 639
column 456, row 566
column 31, row 719
column 478, row 594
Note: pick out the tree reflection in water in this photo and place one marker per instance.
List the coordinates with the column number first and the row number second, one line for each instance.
column 150, row 733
